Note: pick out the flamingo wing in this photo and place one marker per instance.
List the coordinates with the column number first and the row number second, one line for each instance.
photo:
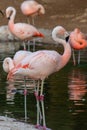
column 25, row 31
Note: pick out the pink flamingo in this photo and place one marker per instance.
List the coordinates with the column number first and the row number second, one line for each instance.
column 78, row 35
column 9, row 63
column 21, row 30
column 40, row 64
column 32, row 8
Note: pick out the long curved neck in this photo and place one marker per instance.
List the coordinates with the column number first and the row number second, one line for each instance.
column 67, row 50
column 12, row 17
column 66, row 55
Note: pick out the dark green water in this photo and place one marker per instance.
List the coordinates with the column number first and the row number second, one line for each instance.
column 65, row 97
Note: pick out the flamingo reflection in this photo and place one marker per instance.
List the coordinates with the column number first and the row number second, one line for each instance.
column 77, row 88
column 10, row 95
column 23, row 87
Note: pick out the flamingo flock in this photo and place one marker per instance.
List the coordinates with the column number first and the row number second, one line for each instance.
column 38, row 65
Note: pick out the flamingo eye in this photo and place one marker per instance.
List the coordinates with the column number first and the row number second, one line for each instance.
column 80, row 43
column 7, row 62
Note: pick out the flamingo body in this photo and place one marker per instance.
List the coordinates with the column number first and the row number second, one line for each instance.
column 31, row 7
column 30, row 66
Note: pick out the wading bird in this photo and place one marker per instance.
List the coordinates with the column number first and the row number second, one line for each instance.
column 9, row 63
column 23, row 31
column 40, row 64
column 32, row 8
column 78, row 35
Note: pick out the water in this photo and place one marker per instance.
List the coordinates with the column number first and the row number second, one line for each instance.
column 65, row 96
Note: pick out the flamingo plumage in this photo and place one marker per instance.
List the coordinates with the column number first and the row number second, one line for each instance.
column 78, row 35
column 32, row 8
column 9, row 63
column 22, row 31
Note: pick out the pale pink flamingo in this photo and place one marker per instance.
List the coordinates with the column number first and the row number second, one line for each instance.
column 40, row 64
column 78, row 35
column 21, row 30
column 9, row 63
column 32, row 8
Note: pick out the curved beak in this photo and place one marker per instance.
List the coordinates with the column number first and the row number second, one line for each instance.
column 2, row 13
column 67, row 38
column 8, row 18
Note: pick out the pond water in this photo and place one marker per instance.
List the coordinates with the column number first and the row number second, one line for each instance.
column 65, row 96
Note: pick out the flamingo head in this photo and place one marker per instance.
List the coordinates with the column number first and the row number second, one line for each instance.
column 60, row 32
column 9, row 12
column 41, row 9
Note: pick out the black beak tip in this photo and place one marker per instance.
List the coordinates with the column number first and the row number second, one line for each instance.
column 67, row 38
column 8, row 18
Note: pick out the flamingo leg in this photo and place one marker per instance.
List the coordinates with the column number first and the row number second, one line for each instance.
column 39, row 115
column 25, row 99
column 74, row 60
column 79, row 57
column 33, row 45
column 42, row 105
column 33, row 20
column 24, row 44
column 28, row 45
column 28, row 21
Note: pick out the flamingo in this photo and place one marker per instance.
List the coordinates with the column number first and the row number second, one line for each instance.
column 21, row 30
column 10, row 63
column 78, row 35
column 42, row 63
column 32, row 8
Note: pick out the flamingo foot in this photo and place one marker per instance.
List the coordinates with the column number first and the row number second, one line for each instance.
column 42, row 127
column 37, row 126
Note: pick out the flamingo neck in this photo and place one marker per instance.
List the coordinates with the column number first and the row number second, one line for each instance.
column 66, row 55
column 12, row 17
column 67, row 51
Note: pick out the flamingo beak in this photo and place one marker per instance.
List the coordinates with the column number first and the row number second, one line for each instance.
column 8, row 18
column 67, row 38
column 2, row 13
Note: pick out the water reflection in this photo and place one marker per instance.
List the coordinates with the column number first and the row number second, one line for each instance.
column 10, row 93
column 77, row 89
